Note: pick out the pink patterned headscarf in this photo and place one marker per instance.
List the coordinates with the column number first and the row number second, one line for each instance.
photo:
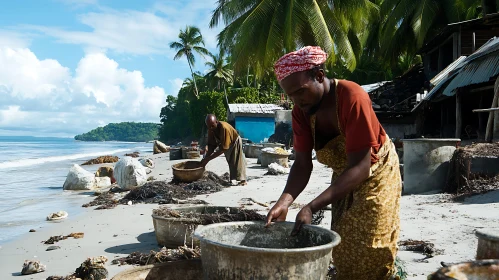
column 303, row 59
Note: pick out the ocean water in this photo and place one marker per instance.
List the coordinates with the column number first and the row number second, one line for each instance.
column 32, row 172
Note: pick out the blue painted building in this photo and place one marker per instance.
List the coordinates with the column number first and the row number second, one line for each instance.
column 255, row 122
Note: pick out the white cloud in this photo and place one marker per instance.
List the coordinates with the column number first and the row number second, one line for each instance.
column 176, row 85
column 138, row 32
column 13, row 39
column 42, row 96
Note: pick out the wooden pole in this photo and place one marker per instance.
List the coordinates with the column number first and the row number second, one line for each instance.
column 480, row 119
column 459, row 121
column 495, row 133
column 489, row 131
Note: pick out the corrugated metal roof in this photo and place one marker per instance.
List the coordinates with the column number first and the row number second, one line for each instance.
column 254, row 108
column 458, row 63
column 479, row 67
column 372, row 87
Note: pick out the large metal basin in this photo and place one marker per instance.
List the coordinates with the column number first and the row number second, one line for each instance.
column 186, row 270
column 175, row 232
column 187, row 171
column 253, row 151
column 248, row 250
column 268, row 158
column 477, row 270
column 488, row 245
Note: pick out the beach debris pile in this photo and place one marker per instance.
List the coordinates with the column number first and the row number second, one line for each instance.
column 155, row 192
column 105, row 200
column 163, row 255
column 462, row 181
column 210, row 218
column 91, row 269
column 57, row 216
column 134, row 154
column 162, row 192
column 276, row 169
column 32, row 267
column 101, row 160
column 57, row 238
column 423, row 247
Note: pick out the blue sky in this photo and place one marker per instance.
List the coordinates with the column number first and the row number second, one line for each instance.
column 69, row 66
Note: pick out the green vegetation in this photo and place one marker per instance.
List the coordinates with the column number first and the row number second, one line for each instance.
column 125, row 131
column 367, row 41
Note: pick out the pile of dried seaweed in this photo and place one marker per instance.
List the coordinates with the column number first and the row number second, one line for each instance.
column 102, row 159
column 156, row 192
column 162, row 192
column 163, row 255
column 57, row 238
column 461, row 181
column 105, row 200
column 423, row 247
column 210, row 218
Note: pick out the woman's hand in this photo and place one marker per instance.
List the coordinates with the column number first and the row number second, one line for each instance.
column 304, row 217
column 278, row 213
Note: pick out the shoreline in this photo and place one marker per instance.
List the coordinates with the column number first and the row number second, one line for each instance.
column 125, row 229
column 50, row 196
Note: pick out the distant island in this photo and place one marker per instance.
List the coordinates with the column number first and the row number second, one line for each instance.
column 125, row 131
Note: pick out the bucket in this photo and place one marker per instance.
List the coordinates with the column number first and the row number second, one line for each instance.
column 185, row 269
column 175, row 154
column 426, row 163
column 249, row 250
column 488, row 245
column 479, row 270
column 268, row 158
column 193, row 154
column 253, row 151
column 175, row 232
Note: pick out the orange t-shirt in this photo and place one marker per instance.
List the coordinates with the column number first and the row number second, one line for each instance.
column 357, row 120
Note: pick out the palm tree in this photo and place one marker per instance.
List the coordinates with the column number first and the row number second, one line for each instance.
column 190, row 42
column 407, row 24
column 219, row 72
column 189, row 86
column 258, row 32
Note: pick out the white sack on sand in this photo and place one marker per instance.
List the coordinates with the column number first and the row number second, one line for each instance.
column 276, row 169
column 129, row 173
column 79, row 179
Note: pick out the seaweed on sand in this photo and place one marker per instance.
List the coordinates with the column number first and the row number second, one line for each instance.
column 105, row 200
column 461, row 181
column 163, row 255
column 209, row 218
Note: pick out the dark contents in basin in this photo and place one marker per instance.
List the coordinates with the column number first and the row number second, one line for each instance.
column 277, row 236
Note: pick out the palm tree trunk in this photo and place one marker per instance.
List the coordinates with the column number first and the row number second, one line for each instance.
column 226, row 99
column 194, row 79
column 247, row 77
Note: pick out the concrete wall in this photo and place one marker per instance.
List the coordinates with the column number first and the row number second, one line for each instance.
column 399, row 130
column 426, row 164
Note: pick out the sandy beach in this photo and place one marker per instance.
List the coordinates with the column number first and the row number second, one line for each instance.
column 125, row 229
